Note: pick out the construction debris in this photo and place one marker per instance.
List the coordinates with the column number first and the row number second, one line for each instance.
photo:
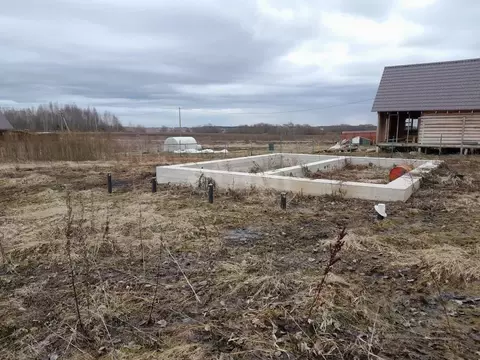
column 344, row 145
column 203, row 151
column 381, row 210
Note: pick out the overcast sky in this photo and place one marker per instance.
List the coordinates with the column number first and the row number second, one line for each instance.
column 225, row 62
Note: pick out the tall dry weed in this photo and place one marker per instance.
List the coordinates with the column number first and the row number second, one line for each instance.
column 18, row 147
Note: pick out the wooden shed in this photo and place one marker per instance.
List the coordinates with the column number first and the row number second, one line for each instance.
column 432, row 105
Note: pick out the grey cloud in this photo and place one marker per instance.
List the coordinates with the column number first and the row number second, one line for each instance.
column 368, row 8
column 451, row 28
column 142, row 59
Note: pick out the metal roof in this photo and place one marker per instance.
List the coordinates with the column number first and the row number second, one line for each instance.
column 4, row 123
column 451, row 85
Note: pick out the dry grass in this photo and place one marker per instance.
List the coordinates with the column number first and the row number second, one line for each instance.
column 21, row 147
column 446, row 262
column 25, row 147
column 253, row 266
column 359, row 173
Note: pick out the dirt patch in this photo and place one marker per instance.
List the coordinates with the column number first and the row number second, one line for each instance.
column 170, row 276
column 357, row 173
column 242, row 236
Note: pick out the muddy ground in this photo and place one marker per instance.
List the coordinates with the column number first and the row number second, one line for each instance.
column 136, row 275
column 358, row 173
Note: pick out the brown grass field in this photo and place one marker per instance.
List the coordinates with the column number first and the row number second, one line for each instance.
column 133, row 275
column 21, row 146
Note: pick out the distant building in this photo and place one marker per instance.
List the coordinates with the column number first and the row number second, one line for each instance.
column 4, row 123
column 367, row 134
column 358, row 140
column 433, row 105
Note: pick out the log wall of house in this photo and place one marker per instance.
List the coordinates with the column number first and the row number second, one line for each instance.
column 454, row 129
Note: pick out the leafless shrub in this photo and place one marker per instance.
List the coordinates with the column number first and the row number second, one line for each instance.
column 442, row 300
column 337, row 195
column 348, row 164
column 69, row 234
column 92, row 214
column 237, row 194
column 140, row 236
column 204, row 181
column 107, row 244
column 183, row 273
column 334, row 250
column 256, row 168
column 447, row 177
column 5, row 260
column 81, row 240
column 306, row 172
column 155, row 291
column 16, row 147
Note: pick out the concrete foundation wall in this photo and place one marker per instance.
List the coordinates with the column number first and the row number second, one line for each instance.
column 238, row 180
column 298, row 171
column 243, row 164
column 306, row 158
column 399, row 190
column 387, row 163
column 259, row 163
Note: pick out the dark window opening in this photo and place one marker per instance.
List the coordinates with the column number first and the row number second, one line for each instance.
column 411, row 124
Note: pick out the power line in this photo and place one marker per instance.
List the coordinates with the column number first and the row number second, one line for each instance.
column 284, row 112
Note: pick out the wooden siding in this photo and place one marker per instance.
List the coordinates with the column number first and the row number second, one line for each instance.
column 449, row 129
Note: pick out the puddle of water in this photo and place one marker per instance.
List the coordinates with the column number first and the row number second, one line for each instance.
column 243, row 236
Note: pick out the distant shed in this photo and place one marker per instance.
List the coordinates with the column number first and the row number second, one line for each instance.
column 180, row 143
column 358, row 140
column 367, row 134
column 4, row 123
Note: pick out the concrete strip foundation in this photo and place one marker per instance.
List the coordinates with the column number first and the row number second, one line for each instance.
column 283, row 172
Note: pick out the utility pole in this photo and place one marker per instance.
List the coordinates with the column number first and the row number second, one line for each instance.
column 64, row 120
column 180, row 120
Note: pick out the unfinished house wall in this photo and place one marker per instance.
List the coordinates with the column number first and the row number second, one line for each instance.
column 402, row 131
column 381, row 127
column 449, row 129
column 392, row 127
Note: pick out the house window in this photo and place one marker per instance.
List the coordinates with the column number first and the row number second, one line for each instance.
column 411, row 124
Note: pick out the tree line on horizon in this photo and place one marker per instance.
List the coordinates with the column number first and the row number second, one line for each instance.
column 70, row 117
column 274, row 129
column 260, row 128
column 54, row 117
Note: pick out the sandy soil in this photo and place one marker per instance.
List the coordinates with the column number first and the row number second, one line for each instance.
column 169, row 276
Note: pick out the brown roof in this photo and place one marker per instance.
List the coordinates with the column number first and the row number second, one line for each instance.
column 4, row 123
column 451, row 85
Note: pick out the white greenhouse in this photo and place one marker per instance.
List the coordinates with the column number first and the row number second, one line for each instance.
column 180, row 143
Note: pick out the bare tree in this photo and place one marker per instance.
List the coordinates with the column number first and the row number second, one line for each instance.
column 53, row 117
